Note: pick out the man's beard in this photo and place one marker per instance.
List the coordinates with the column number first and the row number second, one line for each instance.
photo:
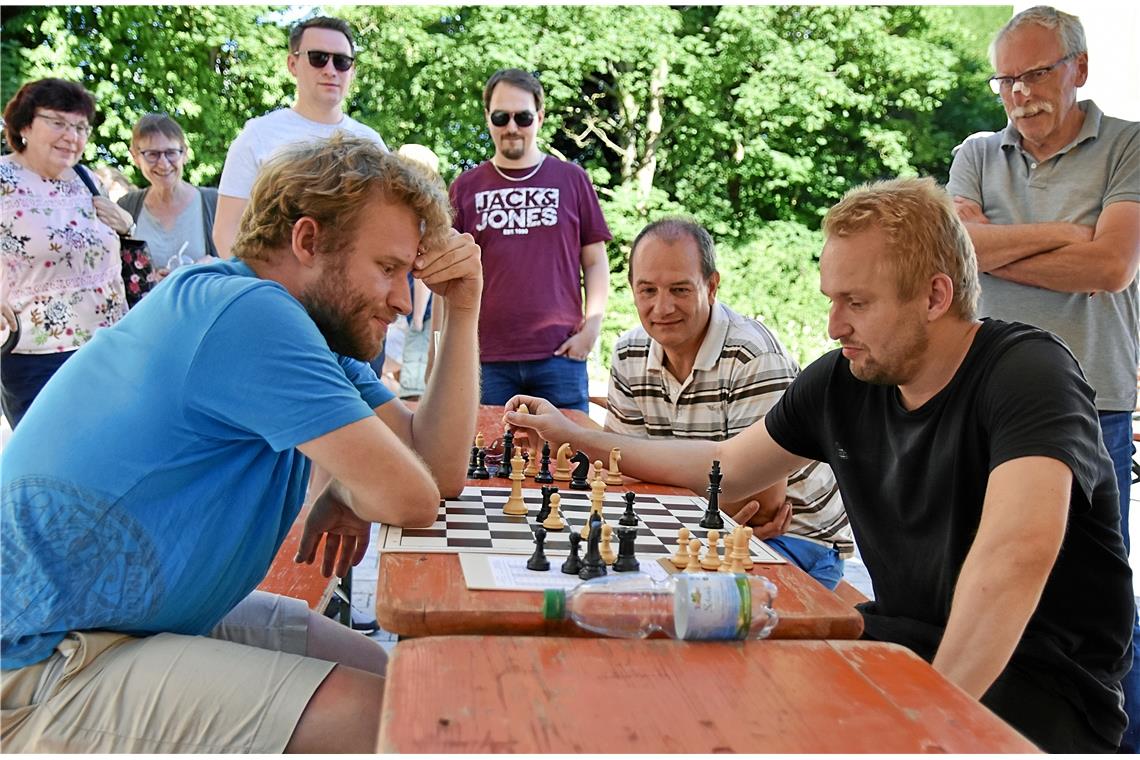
column 513, row 149
column 332, row 304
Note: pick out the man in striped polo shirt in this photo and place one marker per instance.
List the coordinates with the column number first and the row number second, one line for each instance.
column 696, row 369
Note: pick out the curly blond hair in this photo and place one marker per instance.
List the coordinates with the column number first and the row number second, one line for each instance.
column 332, row 182
column 924, row 235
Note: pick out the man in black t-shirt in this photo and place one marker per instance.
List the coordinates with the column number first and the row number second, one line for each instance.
column 971, row 463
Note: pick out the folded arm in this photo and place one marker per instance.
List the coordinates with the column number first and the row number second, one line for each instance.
column 1022, row 526
column 1070, row 258
column 1107, row 263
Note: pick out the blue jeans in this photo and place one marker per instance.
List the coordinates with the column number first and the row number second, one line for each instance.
column 818, row 561
column 561, row 381
column 1116, row 427
column 22, row 377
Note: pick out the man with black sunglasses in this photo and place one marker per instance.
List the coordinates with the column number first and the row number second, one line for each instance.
column 1052, row 204
column 322, row 58
column 543, row 236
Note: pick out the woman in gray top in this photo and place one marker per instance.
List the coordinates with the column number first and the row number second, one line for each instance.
column 175, row 218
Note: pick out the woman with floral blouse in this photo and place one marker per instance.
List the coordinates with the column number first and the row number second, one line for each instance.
column 60, row 245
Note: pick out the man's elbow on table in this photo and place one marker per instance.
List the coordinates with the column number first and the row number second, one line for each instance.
column 413, row 502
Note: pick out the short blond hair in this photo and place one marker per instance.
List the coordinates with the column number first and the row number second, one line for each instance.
column 332, row 182
column 924, row 235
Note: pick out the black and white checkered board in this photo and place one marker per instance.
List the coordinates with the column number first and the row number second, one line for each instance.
column 475, row 523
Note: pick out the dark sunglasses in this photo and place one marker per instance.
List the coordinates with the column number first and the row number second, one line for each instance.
column 522, row 118
column 318, row 59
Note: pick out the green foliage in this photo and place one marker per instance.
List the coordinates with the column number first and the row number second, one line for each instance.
column 752, row 119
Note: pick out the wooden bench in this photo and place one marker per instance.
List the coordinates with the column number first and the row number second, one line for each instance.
column 299, row 581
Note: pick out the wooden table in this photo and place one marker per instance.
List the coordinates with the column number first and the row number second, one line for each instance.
column 507, row 694
column 426, row 594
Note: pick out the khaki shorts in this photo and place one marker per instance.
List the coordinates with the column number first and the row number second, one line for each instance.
column 109, row 692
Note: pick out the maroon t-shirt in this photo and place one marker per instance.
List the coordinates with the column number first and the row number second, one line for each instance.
column 532, row 233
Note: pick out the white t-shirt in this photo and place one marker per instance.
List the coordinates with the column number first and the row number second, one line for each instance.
column 264, row 135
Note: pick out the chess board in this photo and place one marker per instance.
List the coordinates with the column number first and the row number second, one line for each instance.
column 475, row 523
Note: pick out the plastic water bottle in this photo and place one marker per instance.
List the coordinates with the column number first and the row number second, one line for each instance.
column 688, row 606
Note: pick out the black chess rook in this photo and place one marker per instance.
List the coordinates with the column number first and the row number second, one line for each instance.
column 626, row 562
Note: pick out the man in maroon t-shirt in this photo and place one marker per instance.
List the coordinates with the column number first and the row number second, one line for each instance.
column 543, row 237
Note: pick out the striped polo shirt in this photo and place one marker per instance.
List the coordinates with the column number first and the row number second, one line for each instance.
column 740, row 372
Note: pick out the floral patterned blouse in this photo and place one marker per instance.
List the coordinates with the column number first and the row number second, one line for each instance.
column 61, row 267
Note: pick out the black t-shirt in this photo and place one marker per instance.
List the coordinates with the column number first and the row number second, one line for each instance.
column 913, row 483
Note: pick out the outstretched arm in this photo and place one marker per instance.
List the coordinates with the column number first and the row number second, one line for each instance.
column 750, row 461
column 1022, row 526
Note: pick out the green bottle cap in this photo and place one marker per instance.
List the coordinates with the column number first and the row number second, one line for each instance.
column 553, row 603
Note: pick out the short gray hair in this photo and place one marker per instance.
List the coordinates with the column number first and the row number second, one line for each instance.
column 1067, row 26
column 674, row 228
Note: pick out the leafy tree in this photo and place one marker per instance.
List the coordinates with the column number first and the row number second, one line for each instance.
column 753, row 119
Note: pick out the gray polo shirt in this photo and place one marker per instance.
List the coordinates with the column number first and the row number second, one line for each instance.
column 1100, row 167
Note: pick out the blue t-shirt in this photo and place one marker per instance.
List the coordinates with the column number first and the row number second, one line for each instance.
column 153, row 480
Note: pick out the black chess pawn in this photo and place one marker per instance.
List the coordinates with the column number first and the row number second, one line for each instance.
column 712, row 518
column 626, row 562
column 544, row 510
column 508, row 454
column 538, row 560
column 544, row 475
column 474, row 462
column 573, row 563
column 592, row 564
column 481, row 472
column 578, row 480
column 629, row 518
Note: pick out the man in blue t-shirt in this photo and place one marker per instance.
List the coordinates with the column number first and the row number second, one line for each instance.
column 971, row 464
column 151, row 484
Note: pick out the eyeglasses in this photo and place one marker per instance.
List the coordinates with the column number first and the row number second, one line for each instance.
column 82, row 129
column 1031, row 77
column 171, row 155
column 522, row 118
column 318, row 59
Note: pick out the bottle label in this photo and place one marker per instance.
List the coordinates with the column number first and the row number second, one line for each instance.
column 709, row 606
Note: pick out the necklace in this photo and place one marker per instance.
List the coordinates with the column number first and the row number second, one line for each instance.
column 519, row 179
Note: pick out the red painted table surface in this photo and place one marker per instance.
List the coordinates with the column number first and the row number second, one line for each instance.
column 426, row 594
column 508, row 694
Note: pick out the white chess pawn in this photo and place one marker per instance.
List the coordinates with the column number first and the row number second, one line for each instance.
column 680, row 558
column 712, row 559
column 608, row 555
column 694, row 565
column 554, row 520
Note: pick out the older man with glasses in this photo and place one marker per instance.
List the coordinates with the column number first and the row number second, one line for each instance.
column 1052, row 204
column 322, row 58
column 543, row 238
